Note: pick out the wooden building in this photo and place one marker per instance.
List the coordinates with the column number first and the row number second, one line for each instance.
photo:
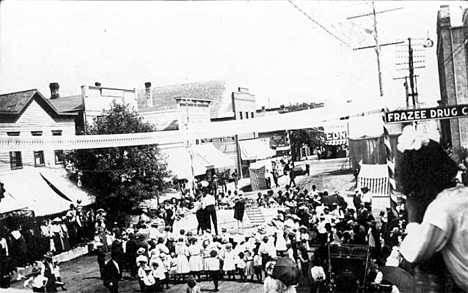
column 29, row 113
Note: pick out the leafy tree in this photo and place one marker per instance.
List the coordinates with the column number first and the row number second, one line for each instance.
column 312, row 137
column 121, row 177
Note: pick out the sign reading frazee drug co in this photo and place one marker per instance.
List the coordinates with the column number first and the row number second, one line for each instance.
column 426, row 114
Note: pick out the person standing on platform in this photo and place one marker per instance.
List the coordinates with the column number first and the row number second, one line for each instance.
column 200, row 214
column 239, row 208
column 292, row 176
column 235, row 176
column 208, row 204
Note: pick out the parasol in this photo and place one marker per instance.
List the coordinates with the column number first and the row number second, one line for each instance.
column 286, row 271
column 399, row 277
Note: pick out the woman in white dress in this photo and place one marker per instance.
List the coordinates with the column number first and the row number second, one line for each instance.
column 195, row 261
column 229, row 266
column 182, row 263
column 281, row 247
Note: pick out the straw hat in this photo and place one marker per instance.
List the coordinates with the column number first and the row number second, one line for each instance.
column 48, row 255
column 141, row 258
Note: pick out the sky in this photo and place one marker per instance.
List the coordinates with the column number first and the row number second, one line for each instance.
column 270, row 47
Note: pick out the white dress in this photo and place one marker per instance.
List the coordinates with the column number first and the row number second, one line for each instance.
column 281, row 242
column 229, row 261
column 195, row 261
column 181, row 260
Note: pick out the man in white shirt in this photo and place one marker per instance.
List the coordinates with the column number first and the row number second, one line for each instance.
column 319, row 277
column 366, row 198
column 153, row 231
column 208, row 203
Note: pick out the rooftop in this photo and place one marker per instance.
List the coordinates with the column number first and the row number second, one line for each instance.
column 15, row 103
column 164, row 97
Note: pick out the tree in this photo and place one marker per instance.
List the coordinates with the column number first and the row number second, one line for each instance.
column 311, row 137
column 121, row 177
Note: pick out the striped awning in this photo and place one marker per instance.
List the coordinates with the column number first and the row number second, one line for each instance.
column 336, row 142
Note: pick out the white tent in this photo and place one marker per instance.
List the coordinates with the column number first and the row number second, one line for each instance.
column 58, row 177
column 30, row 188
column 254, row 149
column 204, row 157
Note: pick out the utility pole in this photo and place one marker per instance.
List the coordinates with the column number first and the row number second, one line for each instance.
column 410, row 84
column 377, row 45
column 414, row 93
column 377, row 49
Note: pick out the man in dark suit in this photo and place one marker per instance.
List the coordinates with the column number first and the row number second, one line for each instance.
column 49, row 272
column 112, row 273
column 130, row 254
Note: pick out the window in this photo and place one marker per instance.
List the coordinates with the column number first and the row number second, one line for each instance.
column 13, row 133
column 56, row 132
column 58, row 157
column 36, row 133
column 240, row 115
column 246, row 115
column 15, row 160
column 39, row 158
column 251, row 114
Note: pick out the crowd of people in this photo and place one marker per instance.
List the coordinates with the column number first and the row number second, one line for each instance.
column 308, row 227
column 156, row 255
column 25, row 240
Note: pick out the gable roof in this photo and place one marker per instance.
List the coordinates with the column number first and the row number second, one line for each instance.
column 68, row 104
column 216, row 92
column 16, row 103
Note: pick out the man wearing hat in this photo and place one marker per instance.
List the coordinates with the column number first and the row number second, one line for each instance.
column 366, row 198
column 208, row 204
column 112, row 273
column 49, row 272
column 357, row 199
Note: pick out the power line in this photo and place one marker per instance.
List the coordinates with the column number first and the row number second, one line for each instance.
column 321, row 26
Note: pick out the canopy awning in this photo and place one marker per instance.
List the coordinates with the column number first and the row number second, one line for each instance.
column 255, row 150
column 211, row 157
column 11, row 204
column 204, row 157
column 30, row 188
column 179, row 163
column 58, row 178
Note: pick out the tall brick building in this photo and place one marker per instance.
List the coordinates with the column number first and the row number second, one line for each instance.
column 452, row 42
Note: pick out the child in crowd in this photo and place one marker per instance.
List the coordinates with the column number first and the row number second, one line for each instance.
column 229, row 266
column 257, row 261
column 213, row 267
column 192, row 286
column 241, row 265
column 249, row 264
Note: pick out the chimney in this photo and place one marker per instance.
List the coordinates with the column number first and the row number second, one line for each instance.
column 97, row 84
column 149, row 100
column 54, row 90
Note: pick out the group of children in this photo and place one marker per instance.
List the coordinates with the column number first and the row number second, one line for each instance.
column 197, row 257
